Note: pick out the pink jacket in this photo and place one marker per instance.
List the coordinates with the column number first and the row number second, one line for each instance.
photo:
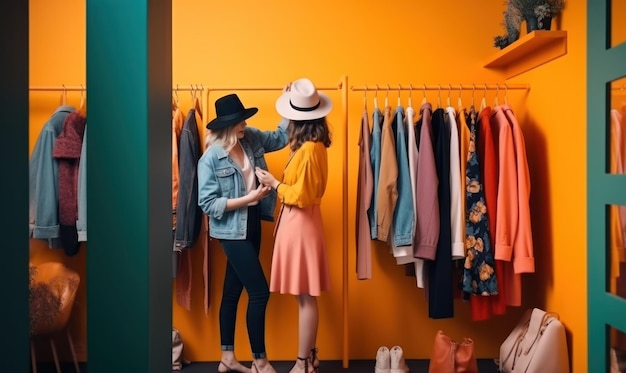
column 364, row 198
column 428, row 225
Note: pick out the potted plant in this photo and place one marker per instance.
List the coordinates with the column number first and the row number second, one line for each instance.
column 538, row 14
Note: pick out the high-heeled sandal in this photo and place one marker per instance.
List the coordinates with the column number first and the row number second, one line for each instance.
column 229, row 369
column 314, row 360
column 306, row 363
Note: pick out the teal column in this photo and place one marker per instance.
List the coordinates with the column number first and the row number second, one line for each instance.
column 14, row 353
column 129, row 178
column 604, row 65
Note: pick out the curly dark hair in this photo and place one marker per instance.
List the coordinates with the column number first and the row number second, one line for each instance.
column 301, row 131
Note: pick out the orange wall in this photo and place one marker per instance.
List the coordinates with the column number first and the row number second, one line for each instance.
column 57, row 57
column 555, row 126
column 403, row 42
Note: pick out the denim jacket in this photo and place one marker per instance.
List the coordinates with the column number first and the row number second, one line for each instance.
column 43, row 181
column 220, row 178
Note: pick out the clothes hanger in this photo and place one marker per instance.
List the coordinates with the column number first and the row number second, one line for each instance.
column 410, row 95
column 439, row 97
column 81, row 106
column 506, row 91
column 376, row 98
column 459, row 102
column 63, row 100
column 174, row 104
column 365, row 98
column 483, row 102
column 473, row 95
column 175, row 99
column 399, row 89
column 495, row 101
column 387, row 96
column 197, row 101
column 448, row 99
column 424, row 100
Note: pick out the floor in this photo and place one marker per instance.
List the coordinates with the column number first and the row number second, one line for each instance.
column 355, row 366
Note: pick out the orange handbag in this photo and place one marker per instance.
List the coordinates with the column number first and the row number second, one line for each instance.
column 450, row 356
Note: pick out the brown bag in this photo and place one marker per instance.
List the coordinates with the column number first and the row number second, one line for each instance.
column 449, row 356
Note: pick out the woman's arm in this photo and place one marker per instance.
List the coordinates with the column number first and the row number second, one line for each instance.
column 256, row 195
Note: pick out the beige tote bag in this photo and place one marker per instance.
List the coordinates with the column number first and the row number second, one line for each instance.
column 537, row 344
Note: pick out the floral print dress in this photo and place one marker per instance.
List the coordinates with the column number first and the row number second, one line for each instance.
column 479, row 277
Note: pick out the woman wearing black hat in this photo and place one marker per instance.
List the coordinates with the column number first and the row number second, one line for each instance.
column 229, row 193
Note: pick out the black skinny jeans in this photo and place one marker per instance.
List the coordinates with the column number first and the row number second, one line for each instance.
column 243, row 270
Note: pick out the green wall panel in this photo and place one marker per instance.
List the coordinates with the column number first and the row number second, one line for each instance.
column 129, row 278
column 604, row 65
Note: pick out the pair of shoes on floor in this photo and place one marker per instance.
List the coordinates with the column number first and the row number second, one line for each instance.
column 390, row 360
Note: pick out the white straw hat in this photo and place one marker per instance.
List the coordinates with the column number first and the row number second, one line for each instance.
column 303, row 102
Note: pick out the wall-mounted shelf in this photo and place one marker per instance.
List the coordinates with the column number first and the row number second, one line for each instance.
column 529, row 51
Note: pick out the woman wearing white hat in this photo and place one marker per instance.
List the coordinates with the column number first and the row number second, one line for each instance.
column 228, row 192
column 299, row 264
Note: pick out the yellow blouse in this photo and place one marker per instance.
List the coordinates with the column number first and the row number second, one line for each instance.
column 305, row 176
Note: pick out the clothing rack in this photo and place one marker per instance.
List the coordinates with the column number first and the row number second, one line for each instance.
column 198, row 87
column 61, row 88
column 449, row 88
column 445, row 87
column 341, row 86
column 329, row 88
column 191, row 87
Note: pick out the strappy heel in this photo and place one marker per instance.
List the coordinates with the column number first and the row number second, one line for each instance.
column 314, row 360
column 228, row 369
column 306, row 363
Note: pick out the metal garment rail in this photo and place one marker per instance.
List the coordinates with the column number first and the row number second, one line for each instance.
column 439, row 87
column 446, row 88
column 61, row 88
column 343, row 87
column 193, row 88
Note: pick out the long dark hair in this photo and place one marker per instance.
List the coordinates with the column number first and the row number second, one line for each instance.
column 315, row 130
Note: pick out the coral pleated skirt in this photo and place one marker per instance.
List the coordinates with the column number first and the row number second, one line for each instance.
column 299, row 264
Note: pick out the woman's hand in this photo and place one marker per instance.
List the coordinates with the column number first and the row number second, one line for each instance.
column 266, row 178
column 287, row 87
column 260, row 192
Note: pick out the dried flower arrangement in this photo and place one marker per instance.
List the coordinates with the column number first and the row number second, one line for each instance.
column 530, row 8
column 519, row 10
column 540, row 10
column 43, row 303
column 512, row 21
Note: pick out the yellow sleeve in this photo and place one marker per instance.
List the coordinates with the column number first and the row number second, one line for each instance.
column 305, row 177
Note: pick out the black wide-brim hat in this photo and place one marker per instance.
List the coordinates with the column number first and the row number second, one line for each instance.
column 230, row 111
